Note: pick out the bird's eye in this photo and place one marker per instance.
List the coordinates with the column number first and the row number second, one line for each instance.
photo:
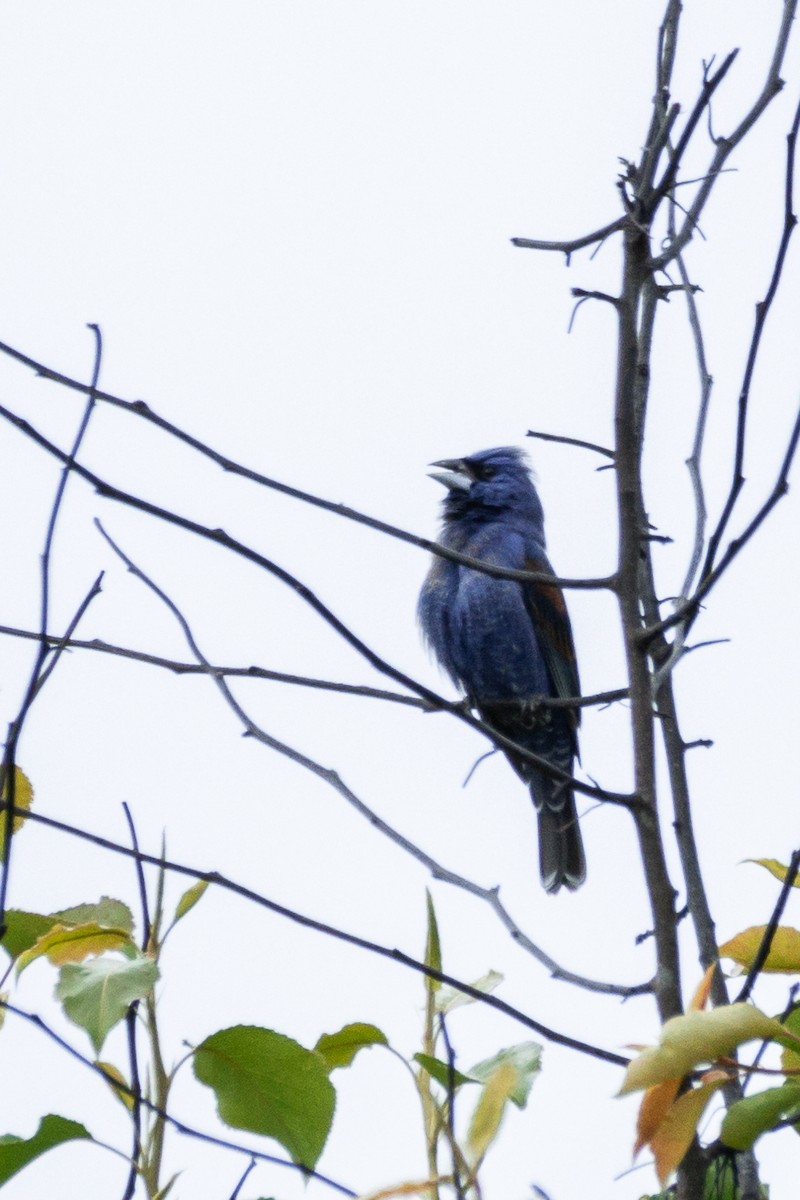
column 486, row 472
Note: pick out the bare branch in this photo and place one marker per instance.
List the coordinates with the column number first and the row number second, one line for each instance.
column 488, row 895
column 724, row 146
column 8, row 774
column 762, row 313
column 669, row 178
column 691, row 606
column 569, row 441
column 569, row 247
column 351, row 939
column 140, row 409
column 178, row 667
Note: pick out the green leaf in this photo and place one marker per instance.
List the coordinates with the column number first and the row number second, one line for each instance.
column 747, row 1119
column 269, row 1084
column 433, row 947
column 525, row 1058
column 440, row 1071
column 790, row 1059
column 23, row 929
column 720, row 1184
column 450, row 998
column 111, row 914
column 96, row 995
column 190, row 898
column 17, row 1152
column 339, row 1049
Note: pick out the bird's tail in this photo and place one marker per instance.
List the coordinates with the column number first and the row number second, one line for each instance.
column 561, row 858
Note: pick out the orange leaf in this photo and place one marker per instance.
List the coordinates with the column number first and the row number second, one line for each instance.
column 674, row 1135
column 700, row 999
column 654, row 1107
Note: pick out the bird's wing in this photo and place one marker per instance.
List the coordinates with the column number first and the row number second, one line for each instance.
column 548, row 611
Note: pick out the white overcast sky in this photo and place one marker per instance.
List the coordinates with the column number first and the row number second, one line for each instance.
column 291, row 220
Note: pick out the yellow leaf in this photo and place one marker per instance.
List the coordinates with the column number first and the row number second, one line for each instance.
column 23, row 798
column 774, row 867
column 697, row 1037
column 3, row 997
column 489, row 1110
column 784, row 952
column 675, row 1133
column 654, row 1107
column 113, row 1075
column 73, row 943
column 190, row 898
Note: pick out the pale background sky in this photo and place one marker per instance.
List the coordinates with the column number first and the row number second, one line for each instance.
column 292, row 221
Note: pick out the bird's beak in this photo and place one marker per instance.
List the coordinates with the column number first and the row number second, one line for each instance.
column 454, row 474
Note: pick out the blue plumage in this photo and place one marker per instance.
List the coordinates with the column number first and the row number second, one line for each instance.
column 502, row 641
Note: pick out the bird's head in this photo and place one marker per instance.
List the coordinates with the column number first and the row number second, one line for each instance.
column 491, row 481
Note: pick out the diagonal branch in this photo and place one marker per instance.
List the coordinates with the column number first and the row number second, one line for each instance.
column 488, row 895
column 389, row 952
column 178, row 667
column 724, row 146
column 762, row 313
column 140, row 409
column 570, row 246
column 210, row 1139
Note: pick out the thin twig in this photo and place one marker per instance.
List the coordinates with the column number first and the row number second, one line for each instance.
column 568, row 247
column 691, row 605
column 179, row 667
column 8, row 774
column 351, row 939
column 132, row 1015
column 140, row 409
column 710, row 85
column 451, row 1106
column 569, row 441
column 244, row 1177
column 59, row 644
column 187, row 1130
column 725, row 145
column 762, row 954
column 761, row 314
column 488, row 895
column 693, row 464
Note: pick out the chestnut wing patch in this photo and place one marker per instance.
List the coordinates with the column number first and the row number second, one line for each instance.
column 547, row 607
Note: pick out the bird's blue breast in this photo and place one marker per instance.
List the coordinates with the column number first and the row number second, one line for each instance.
column 479, row 627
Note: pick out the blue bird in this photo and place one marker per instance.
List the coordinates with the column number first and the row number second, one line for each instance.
column 502, row 640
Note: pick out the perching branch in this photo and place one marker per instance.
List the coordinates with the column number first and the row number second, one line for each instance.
column 178, row 667
column 252, row 729
column 140, row 409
